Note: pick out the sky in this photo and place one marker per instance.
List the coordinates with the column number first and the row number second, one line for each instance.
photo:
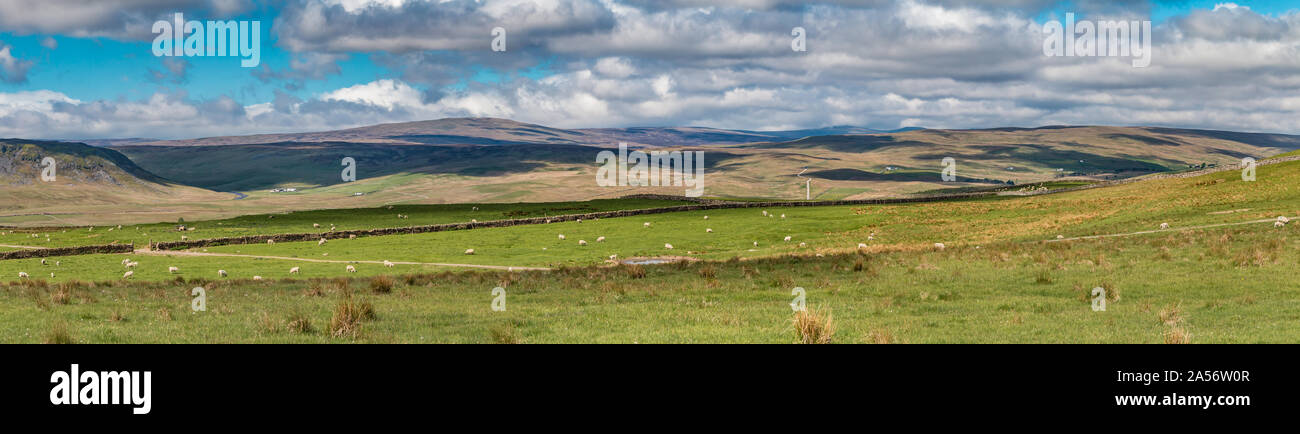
column 81, row 69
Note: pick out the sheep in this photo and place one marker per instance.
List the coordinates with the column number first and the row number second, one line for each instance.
column 125, row 261
column 1164, row 226
column 58, row 263
column 352, row 269
column 1060, row 237
column 765, row 213
column 706, row 217
column 862, row 245
column 600, row 239
column 315, row 225
column 132, row 264
column 782, row 215
column 22, row 275
column 51, row 275
column 293, row 270
column 257, row 277
column 184, row 238
column 1283, row 219
column 473, row 220
column 787, row 238
column 647, row 224
column 321, row 242
column 128, row 275
column 469, row 251
column 579, row 220
column 708, row 230
column 939, row 246
column 43, row 261
column 756, row 244
column 173, row 270
column 389, row 264
column 221, row 273
column 1278, row 224
column 352, row 237
column 475, row 208
column 668, row 246
column 613, row 257
column 561, row 236
column 802, row 245
column 582, row 242
column 270, row 241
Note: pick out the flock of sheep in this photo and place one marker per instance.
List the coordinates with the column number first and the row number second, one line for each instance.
column 130, row 265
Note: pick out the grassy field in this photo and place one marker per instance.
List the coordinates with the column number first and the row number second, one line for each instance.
column 997, row 280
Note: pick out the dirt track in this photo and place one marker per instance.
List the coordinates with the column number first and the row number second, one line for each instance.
column 332, row 261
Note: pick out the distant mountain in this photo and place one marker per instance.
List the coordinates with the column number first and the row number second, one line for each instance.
column 492, row 131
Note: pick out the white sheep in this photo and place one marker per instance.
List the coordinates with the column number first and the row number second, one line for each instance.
column 321, row 242
column 579, row 220
column 469, row 251
column 561, row 236
column 939, row 246
column 782, row 215
column 315, row 225
column 352, row 237
column 132, row 264
column 582, row 242
column 1278, row 224
column 173, row 270
column 293, row 270
column 389, row 264
column 42, row 261
column 22, row 275
column 787, row 238
column 668, row 246
column 756, row 244
column 128, row 275
column 126, row 261
column 706, row 217
column 1164, row 226
column 184, row 238
column 1060, row 237
column 801, row 245
column 647, row 224
column 51, row 275
column 765, row 213
column 1283, row 219
column 58, row 263
column 473, row 220
column 708, row 230
column 270, row 241
column 257, row 277
column 600, row 239
column 352, row 269
column 613, row 257
column 221, row 273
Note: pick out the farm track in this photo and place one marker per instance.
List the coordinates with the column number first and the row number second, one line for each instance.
column 333, row 261
column 1172, row 229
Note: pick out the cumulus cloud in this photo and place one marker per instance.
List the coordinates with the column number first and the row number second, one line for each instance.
column 877, row 63
column 12, row 69
column 119, row 19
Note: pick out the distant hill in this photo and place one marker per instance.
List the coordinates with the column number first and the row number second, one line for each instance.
column 493, row 131
column 85, row 176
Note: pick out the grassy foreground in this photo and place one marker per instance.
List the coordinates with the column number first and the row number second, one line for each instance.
column 1219, row 285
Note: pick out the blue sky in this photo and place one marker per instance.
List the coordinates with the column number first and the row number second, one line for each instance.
column 609, row 63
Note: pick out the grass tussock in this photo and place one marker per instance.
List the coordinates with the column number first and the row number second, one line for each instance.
column 814, row 327
column 299, row 323
column 382, row 284
column 348, row 315
column 634, row 271
column 59, row 335
column 1177, row 335
column 505, row 334
column 1171, row 315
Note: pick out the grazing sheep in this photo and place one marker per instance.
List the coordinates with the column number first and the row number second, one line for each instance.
column 561, row 236
column 221, row 273
column 756, row 244
column 708, row 230
column 473, row 220
column 613, row 257
column 862, row 245
column 352, row 237
column 125, row 261
column 1283, row 219
column 22, row 275
column 132, row 264
column 939, row 246
column 706, row 217
column 1164, row 226
column 787, row 238
column 389, row 264
column 600, row 239
column 321, row 242
column 173, row 270
column 579, row 220
column 801, row 245
column 871, row 237
column 1278, row 224
column 128, row 275
column 257, row 277
column 647, row 224
column 352, row 269
column 668, row 246
column 58, row 263
column 1060, row 237
column 315, row 225
column 184, row 238
column 469, row 251
column 42, row 261
column 582, row 242
column 293, row 270
column 51, row 275
column 475, row 208
column 782, row 215
column 270, row 241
